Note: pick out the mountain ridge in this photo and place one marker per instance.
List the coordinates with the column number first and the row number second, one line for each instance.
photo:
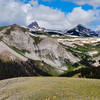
column 79, row 30
column 51, row 54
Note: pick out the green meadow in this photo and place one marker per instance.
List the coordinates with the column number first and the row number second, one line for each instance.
column 49, row 88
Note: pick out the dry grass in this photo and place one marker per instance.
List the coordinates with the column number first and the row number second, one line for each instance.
column 49, row 88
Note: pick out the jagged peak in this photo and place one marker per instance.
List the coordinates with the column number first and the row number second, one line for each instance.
column 80, row 25
column 17, row 27
column 33, row 24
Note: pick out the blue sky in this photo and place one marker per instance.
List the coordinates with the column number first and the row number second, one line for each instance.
column 61, row 5
column 65, row 6
column 55, row 14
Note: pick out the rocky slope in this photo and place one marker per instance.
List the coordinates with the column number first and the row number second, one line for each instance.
column 34, row 54
column 18, row 44
column 7, row 53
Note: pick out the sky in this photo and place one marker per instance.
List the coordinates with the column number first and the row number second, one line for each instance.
column 51, row 14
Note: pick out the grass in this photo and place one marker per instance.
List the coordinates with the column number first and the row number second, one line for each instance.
column 82, row 53
column 84, row 48
column 8, row 31
column 65, row 37
column 50, row 88
column 1, row 28
column 50, row 70
column 1, row 37
column 22, row 52
column 23, row 29
column 37, row 40
column 75, row 51
column 97, row 48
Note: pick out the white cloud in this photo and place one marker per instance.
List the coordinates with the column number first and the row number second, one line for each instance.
column 23, row 14
column 47, row 17
column 11, row 12
column 98, row 28
column 94, row 3
column 80, row 16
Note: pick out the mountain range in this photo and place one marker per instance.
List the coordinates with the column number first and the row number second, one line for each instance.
column 23, row 53
column 79, row 30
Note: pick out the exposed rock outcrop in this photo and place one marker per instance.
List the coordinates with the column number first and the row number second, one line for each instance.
column 24, row 46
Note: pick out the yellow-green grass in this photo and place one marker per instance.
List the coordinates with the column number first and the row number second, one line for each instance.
column 49, row 88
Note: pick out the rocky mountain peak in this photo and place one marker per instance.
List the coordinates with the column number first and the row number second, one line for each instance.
column 33, row 25
column 81, row 30
column 81, row 27
column 15, row 27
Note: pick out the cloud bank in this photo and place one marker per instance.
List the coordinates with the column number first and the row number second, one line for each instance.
column 23, row 14
column 94, row 3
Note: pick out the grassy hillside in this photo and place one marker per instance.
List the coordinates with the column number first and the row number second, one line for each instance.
column 49, row 88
